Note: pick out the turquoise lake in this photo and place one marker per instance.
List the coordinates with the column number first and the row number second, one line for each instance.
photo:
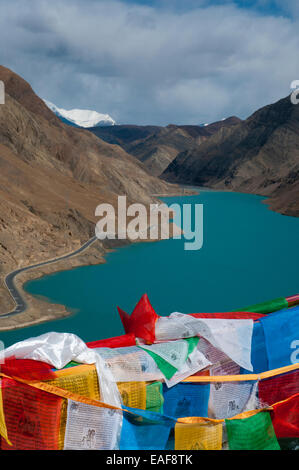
column 250, row 254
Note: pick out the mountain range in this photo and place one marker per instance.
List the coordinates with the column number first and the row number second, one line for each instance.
column 259, row 155
column 156, row 147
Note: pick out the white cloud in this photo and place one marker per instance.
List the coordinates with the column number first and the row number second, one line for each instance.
column 147, row 65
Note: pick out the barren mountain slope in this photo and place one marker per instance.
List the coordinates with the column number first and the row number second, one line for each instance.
column 259, row 155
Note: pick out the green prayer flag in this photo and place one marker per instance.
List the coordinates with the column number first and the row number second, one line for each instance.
column 154, row 397
column 266, row 307
column 253, row 433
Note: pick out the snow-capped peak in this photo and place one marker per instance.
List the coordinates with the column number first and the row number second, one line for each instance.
column 82, row 117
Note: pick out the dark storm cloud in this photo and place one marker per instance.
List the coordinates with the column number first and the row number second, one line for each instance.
column 145, row 64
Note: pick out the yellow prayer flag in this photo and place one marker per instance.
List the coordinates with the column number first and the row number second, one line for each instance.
column 201, row 435
column 133, row 394
column 82, row 380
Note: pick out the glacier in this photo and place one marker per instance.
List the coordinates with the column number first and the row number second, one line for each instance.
column 81, row 117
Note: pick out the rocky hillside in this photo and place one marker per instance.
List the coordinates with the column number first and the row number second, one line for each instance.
column 157, row 146
column 259, row 155
column 52, row 177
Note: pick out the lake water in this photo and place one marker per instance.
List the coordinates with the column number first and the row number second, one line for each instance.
column 250, row 254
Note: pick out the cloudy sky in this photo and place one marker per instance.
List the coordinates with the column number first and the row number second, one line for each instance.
column 154, row 61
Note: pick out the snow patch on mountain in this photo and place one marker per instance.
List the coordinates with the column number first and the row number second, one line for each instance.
column 81, row 117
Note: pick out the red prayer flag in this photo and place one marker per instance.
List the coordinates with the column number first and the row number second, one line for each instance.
column 115, row 342
column 27, row 369
column 32, row 417
column 229, row 315
column 279, row 388
column 142, row 321
column 285, row 417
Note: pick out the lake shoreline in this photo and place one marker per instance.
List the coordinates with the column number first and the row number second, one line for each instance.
column 93, row 255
